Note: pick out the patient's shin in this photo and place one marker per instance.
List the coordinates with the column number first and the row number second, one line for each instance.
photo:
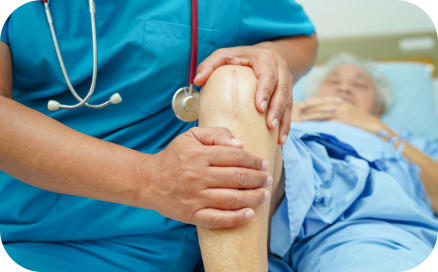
column 227, row 100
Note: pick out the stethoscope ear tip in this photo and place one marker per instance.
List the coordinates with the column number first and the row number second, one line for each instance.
column 53, row 105
column 116, row 98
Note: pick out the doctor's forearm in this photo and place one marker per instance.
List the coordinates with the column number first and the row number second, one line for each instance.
column 44, row 153
column 5, row 71
column 299, row 52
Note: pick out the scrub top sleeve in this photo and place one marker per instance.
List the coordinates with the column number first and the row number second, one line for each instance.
column 263, row 20
column 4, row 35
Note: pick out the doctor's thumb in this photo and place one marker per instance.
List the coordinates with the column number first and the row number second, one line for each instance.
column 215, row 136
column 200, row 78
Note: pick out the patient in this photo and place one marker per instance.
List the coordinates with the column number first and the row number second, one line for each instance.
column 346, row 200
column 353, row 92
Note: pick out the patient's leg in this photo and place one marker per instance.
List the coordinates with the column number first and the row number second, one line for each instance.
column 227, row 100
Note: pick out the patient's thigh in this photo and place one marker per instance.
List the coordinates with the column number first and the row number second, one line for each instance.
column 227, row 100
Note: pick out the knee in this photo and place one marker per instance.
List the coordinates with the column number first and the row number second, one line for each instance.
column 230, row 90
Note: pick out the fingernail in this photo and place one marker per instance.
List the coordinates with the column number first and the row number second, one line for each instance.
column 275, row 123
column 338, row 99
column 236, row 142
column 196, row 77
column 264, row 106
column 266, row 195
column 283, row 139
column 269, row 181
column 265, row 165
column 249, row 214
column 303, row 117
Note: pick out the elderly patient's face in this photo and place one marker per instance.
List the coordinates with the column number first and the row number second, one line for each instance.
column 352, row 84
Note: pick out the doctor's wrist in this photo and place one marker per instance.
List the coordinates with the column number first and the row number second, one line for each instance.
column 137, row 184
column 130, row 179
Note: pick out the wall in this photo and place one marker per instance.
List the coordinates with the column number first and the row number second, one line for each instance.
column 346, row 18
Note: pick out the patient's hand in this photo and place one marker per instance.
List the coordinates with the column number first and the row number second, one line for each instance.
column 336, row 109
column 296, row 112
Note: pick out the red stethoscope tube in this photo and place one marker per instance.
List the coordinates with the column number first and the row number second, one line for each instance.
column 194, row 42
column 185, row 101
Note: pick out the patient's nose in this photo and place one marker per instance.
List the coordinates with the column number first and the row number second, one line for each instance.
column 343, row 88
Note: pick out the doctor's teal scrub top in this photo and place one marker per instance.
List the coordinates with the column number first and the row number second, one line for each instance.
column 143, row 54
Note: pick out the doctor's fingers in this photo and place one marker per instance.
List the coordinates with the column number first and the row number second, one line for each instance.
column 234, row 55
column 237, row 178
column 224, row 156
column 286, row 119
column 281, row 101
column 264, row 62
column 232, row 199
column 266, row 69
column 221, row 219
column 215, row 136
column 226, row 208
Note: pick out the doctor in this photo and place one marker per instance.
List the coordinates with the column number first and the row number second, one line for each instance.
column 109, row 189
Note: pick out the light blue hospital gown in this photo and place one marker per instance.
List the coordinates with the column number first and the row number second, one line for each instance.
column 343, row 212
column 143, row 53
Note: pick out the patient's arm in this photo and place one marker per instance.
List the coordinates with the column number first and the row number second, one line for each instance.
column 227, row 100
column 428, row 166
column 333, row 109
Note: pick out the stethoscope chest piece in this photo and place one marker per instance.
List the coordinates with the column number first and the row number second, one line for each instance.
column 185, row 104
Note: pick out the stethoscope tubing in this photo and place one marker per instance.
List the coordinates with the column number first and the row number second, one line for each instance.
column 116, row 98
column 55, row 105
column 193, row 44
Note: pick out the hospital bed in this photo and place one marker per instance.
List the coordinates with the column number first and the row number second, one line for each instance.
column 410, row 62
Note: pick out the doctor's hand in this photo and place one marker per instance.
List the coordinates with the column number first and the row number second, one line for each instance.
column 336, row 109
column 205, row 178
column 275, row 81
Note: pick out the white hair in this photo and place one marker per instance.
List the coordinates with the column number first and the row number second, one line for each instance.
column 383, row 87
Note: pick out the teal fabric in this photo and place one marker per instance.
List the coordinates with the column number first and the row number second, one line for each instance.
column 143, row 53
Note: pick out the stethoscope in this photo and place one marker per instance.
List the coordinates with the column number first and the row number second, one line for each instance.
column 185, row 102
